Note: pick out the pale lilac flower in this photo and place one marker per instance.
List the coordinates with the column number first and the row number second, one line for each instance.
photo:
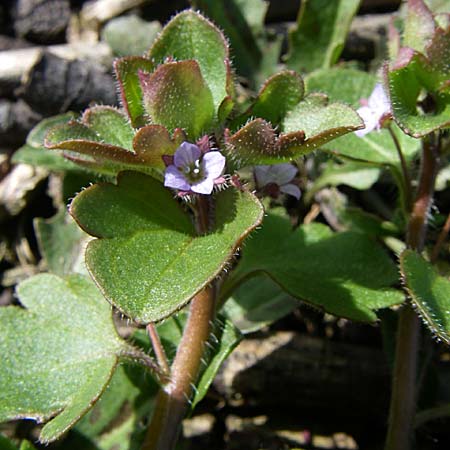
column 376, row 110
column 194, row 171
column 277, row 178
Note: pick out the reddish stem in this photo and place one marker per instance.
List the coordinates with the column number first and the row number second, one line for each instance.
column 403, row 397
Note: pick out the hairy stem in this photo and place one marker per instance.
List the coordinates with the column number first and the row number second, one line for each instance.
column 403, row 397
column 173, row 399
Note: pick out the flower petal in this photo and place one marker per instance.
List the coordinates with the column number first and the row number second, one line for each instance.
column 213, row 164
column 186, row 154
column 283, row 173
column 291, row 189
column 262, row 175
column 369, row 118
column 173, row 178
column 203, row 187
column 379, row 101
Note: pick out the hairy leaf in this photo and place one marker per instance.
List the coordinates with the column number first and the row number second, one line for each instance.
column 148, row 262
column 61, row 243
column 351, row 86
column 346, row 274
column 429, row 291
column 190, row 36
column 59, row 352
column 127, row 70
column 176, row 95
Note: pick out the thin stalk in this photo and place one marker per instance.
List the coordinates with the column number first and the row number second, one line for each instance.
column 404, row 391
column 173, row 400
column 440, row 241
column 158, row 348
column 407, row 185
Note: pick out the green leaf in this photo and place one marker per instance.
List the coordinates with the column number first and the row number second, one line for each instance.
column 242, row 22
column 191, row 36
column 279, row 94
column 176, row 95
column 311, row 124
column 346, row 274
column 27, row 445
column 320, row 120
column 429, row 291
column 224, row 338
column 61, row 243
column 68, row 351
column 319, row 35
column 127, row 70
column 149, row 263
column 353, row 174
column 110, row 125
column 257, row 303
column 351, row 86
column 123, row 43
column 419, row 26
column 414, row 78
column 6, row 444
column 34, row 151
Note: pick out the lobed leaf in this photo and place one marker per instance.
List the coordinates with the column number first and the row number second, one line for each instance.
column 425, row 79
column 311, row 124
column 59, row 352
column 429, row 291
column 176, row 95
column 279, row 94
column 351, row 86
column 34, row 151
column 318, row 38
column 346, row 274
column 148, row 262
column 190, row 36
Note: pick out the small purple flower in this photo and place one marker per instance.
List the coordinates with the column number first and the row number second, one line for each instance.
column 277, row 178
column 194, row 171
column 375, row 111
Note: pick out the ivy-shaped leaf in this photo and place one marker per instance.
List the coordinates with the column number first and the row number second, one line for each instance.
column 148, row 261
column 346, row 274
column 351, row 86
column 311, row 124
column 59, row 352
column 429, row 291
column 425, row 78
column 34, row 151
column 105, row 141
column 318, row 38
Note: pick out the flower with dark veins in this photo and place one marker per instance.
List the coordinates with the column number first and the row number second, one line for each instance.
column 375, row 111
column 277, row 178
column 193, row 170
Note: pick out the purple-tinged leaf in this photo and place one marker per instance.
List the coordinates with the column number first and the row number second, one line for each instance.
column 153, row 141
column 419, row 26
column 176, row 95
column 126, row 70
column 190, row 36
